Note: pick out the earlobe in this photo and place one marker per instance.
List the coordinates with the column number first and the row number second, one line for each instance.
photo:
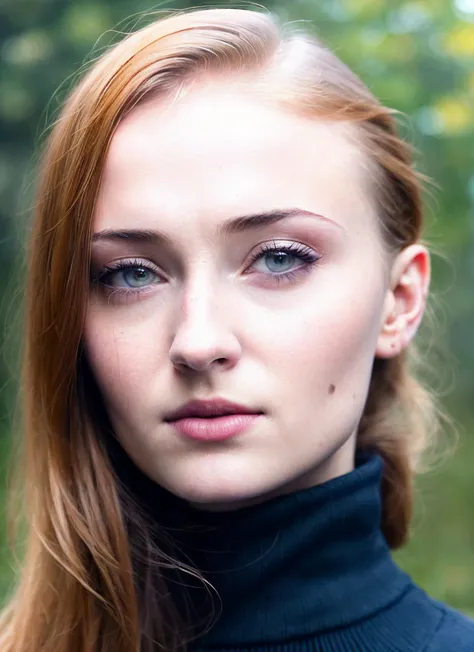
column 405, row 301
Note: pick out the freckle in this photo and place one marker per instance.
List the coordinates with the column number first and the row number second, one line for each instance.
column 332, row 389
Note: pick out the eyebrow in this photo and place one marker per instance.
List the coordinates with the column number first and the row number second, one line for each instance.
column 231, row 226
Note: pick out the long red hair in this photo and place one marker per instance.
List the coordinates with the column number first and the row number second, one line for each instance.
column 90, row 573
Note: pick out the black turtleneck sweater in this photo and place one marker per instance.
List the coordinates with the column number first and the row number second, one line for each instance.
column 309, row 570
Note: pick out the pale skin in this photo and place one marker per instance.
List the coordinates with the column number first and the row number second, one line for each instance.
column 199, row 319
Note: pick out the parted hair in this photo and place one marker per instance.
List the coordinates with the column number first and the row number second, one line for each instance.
column 91, row 575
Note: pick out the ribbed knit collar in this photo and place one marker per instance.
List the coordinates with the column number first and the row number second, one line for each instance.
column 294, row 566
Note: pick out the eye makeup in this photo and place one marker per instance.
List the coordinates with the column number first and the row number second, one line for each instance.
column 136, row 276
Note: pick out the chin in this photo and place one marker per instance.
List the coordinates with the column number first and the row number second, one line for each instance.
column 227, row 493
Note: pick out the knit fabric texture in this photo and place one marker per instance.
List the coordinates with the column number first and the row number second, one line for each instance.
column 305, row 571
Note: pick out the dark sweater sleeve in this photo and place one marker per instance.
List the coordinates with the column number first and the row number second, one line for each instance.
column 454, row 634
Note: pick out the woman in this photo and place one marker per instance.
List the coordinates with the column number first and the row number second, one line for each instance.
column 221, row 426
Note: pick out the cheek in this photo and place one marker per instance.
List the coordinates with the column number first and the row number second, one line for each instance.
column 327, row 342
column 306, row 341
column 122, row 357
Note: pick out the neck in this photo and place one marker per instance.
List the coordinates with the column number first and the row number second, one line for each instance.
column 339, row 463
column 316, row 559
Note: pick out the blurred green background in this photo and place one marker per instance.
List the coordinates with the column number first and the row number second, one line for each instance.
column 416, row 56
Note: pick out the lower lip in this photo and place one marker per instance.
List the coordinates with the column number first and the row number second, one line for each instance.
column 214, row 428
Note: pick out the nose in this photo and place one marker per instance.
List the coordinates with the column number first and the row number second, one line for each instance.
column 203, row 336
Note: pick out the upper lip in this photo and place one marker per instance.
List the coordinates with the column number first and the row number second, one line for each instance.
column 211, row 408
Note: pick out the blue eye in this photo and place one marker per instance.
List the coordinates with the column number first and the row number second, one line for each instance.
column 136, row 277
column 280, row 259
column 133, row 278
column 128, row 275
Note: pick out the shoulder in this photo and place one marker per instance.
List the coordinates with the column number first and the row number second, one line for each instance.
column 455, row 631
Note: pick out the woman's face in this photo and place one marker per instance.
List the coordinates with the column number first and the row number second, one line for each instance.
column 283, row 317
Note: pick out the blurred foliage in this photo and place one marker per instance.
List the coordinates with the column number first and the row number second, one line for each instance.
column 416, row 56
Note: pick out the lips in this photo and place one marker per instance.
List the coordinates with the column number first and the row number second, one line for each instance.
column 210, row 408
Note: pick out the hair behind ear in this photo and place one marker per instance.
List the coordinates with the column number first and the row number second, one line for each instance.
column 399, row 419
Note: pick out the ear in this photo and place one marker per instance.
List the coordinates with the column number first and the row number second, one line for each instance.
column 405, row 300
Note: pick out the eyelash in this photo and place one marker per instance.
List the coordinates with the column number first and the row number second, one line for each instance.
column 304, row 253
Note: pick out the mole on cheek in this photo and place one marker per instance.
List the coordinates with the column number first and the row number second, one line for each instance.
column 332, row 389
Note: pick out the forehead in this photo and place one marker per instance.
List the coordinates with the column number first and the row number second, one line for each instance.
column 217, row 152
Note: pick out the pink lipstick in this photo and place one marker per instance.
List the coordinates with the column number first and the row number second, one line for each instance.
column 212, row 420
